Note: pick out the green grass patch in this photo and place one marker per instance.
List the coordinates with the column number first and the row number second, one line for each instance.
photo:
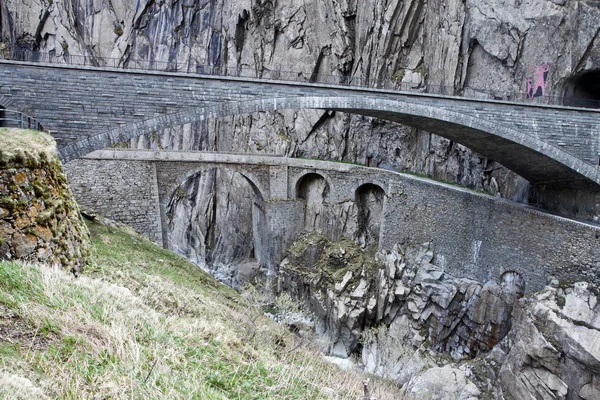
column 142, row 322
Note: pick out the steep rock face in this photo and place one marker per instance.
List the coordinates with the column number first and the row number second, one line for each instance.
column 555, row 351
column 39, row 218
column 403, row 291
column 212, row 228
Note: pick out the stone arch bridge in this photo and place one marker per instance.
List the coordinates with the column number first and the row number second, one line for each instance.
column 472, row 235
column 90, row 108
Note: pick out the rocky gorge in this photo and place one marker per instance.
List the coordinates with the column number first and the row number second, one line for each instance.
column 443, row 337
column 402, row 315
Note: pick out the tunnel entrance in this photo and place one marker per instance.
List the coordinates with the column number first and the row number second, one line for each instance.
column 583, row 90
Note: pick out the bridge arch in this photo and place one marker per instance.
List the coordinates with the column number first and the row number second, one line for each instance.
column 202, row 222
column 373, row 182
column 299, row 180
column 526, row 155
column 313, row 190
column 369, row 199
column 258, row 188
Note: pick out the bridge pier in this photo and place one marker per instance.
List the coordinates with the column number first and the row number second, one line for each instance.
column 285, row 220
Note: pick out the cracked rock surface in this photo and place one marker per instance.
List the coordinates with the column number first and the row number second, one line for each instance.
column 443, row 337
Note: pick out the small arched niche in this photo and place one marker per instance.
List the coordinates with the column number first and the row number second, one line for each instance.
column 369, row 203
column 314, row 190
column 583, row 90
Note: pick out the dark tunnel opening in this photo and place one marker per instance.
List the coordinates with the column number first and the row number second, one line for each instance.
column 583, row 90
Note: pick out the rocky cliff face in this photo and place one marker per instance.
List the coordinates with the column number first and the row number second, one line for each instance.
column 212, row 228
column 403, row 316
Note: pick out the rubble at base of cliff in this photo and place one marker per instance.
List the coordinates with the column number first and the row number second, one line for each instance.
column 399, row 316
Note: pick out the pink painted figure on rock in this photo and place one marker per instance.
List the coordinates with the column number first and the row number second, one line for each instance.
column 538, row 88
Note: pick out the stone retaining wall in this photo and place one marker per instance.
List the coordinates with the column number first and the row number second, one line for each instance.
column 39, row 218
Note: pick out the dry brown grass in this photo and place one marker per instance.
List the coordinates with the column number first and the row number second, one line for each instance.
column 144, row 323
column 26, row 144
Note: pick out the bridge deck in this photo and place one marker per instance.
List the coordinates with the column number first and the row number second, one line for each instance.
column 91, row 108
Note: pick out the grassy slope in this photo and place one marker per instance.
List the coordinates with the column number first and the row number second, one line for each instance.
column 144, row 323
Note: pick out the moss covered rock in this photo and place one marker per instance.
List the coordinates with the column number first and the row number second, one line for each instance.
column 39, row 218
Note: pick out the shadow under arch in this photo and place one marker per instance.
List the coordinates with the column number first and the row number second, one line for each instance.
column 369, row 199
column 303, row 182
column 218, row 222
column 518, row 152
column 312, row 189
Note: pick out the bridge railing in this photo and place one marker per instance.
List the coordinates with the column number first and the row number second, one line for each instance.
column 17, row 119
column 296, row 76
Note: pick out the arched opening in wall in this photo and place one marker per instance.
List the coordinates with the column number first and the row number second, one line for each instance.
column 369, row 203
column 313, row 189
column 583, row 90
column 216, row 219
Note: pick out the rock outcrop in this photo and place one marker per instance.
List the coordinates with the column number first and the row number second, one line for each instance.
column 403, row 316
column 39, row 218
column 553, row 350
column 414, row 299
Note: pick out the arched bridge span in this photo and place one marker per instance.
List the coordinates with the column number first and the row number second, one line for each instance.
column 91, row 108
column 472, row 235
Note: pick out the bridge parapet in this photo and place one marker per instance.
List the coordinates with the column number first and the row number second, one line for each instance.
column 391, row 84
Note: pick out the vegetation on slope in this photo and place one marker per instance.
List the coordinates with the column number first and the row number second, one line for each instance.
column 145, row 323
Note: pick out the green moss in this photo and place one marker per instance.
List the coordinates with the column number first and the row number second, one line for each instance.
column 12, row 204
column 313, row 256
column 422, row 69
column 284, row 136
column 118, row 29
column 41, row 190
column 398, row 76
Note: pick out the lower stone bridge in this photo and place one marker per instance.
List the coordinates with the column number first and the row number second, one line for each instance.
column 473, row 235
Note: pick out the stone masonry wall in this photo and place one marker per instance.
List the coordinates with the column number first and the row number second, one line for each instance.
column 473, row 235
column 121, row 190
column 482, row 238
